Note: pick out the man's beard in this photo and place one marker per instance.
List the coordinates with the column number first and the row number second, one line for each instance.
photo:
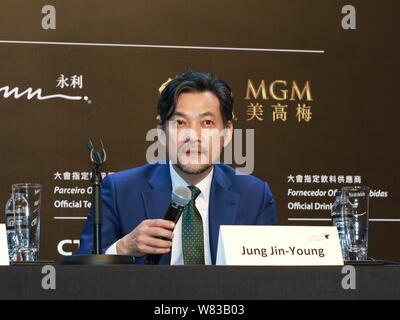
column 193, row 168
column 187, row 166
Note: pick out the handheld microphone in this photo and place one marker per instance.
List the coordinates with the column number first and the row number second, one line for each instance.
column 180, row 197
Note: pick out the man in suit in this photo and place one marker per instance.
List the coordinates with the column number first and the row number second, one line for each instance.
column 195, row 123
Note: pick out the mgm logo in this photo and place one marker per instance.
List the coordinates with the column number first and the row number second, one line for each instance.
column 282, row 93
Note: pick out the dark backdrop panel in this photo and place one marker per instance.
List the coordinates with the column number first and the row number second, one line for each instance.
column 353, row 81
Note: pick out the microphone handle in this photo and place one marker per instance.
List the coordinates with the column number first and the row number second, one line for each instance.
column 173, row 214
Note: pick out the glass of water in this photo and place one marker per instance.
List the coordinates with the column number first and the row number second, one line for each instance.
column 27, row 202
column 357, row 226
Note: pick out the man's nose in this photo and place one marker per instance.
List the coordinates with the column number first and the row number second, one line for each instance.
column 193, row 133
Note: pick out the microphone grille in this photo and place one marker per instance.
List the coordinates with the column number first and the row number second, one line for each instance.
column 181, row 196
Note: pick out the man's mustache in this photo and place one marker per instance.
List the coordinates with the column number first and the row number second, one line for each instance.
column 193, row 148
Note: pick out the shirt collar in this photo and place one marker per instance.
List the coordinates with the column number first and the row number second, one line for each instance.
column 204, row 185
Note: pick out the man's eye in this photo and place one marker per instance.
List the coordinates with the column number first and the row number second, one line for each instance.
column 208, row 122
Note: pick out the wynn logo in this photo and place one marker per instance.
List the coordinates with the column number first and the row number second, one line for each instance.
column 30, row 93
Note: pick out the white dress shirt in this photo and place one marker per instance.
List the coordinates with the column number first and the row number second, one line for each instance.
column 202, row 205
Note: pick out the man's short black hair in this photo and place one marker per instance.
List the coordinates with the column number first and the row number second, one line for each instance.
column 195, row 82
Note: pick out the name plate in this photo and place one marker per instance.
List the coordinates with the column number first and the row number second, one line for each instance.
column 279, row 246
column 4, row 259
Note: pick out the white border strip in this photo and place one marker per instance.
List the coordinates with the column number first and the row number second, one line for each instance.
column 289, row 219
column 308, row 219
column 70, row 218
column 385, row 220
column 317, row 219
column 157, row 46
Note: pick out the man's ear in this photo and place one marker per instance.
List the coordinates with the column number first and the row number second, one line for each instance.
column 228, row 133
column 161, row 135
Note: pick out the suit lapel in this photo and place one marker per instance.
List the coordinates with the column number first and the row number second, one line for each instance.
column 222, row 208
column 157, row 199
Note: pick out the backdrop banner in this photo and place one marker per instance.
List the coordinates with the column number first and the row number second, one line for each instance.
column 314, row 82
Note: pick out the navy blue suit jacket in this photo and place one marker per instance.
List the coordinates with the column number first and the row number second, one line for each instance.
column 131, row 196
